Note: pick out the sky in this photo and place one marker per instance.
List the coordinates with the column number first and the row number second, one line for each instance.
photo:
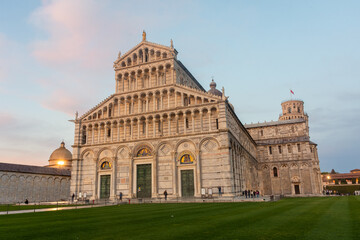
column 56, row 58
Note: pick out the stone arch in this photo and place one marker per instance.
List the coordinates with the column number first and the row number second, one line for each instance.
column 122, row 152
column 141, row 145
column 85, row 152
column 164, row 148
column 105, row 152
column 206, row 139
column 182, row 145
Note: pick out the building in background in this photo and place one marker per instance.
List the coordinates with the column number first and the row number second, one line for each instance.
column 342, row 183
column 288, row 160
column 161, row 130
column 37, row 184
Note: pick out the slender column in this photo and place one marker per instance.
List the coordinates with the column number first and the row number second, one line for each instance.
column 154, row 102
column 182, row 99
column 112, row 127
column 169, row 127
column 138, row 125
column 125, row 130
column 154, row 170
column 125, row 111
column 139, row 101
column 193, row 122
column 175, row 94
column 131, row 177
column 201, row 121
column 161, row 125
column 154, row 127
column 175, row 193
column 184, row 123
column 119, row 107
column 92, row 135
column 198, row 172
column 118, row 133
column 147, row 103
column 161, row 101
column 131, row 129
column 147, row 127
column 209, row 112
column 132, row 106
column 168, row 96
column 177, row 124
column 99, row 133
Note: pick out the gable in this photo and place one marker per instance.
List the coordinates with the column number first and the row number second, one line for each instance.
column 144, row 52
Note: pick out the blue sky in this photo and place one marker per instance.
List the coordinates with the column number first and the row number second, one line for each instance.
column 56, row 58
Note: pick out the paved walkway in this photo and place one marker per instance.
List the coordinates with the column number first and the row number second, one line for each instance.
column 50, row 209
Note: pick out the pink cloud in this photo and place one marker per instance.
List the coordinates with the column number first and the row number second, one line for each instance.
column 63, row 101
column 81, row 41
column 7, row 119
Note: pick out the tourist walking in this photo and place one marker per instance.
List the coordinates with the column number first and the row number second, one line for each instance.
column 120, row 195
column 165, row 194
column 245, row 193
column 72, row 197
column 219, row 188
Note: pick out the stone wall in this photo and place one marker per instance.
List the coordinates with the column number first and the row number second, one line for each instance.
column 16, row 187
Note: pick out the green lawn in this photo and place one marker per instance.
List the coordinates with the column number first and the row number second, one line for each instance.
column 300, row 218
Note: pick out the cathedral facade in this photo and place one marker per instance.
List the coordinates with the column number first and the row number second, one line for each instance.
column 161, row 130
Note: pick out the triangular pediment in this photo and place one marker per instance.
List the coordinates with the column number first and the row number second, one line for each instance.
column 142, row 52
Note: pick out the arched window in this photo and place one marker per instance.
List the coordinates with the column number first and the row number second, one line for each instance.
column 105, row 165
column 186, row 159
column 275, row 172
column 143, row 152
column 289, row 109
column 83, row 137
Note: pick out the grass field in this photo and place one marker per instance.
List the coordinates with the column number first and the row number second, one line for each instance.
column 300, row 218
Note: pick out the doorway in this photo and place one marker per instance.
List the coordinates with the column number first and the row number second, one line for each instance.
column 297, row 189
column 104, row 186
column 143, row 181
column 187, row 183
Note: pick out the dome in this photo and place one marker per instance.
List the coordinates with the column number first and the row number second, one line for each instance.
column 213, row 89
column 61, row 153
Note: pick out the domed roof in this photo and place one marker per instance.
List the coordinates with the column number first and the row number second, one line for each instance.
column 61, row 153
column 213, row 89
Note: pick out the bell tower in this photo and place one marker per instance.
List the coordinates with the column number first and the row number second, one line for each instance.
column 292, row 109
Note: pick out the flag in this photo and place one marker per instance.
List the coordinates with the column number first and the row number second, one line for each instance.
column 292, row 92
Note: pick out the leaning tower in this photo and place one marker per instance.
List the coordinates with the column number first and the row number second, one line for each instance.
column 292, row 109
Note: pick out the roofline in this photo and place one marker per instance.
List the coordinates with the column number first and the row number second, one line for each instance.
column 189, row 73
column 238, row 120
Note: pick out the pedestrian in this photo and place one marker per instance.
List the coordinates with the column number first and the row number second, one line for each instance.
column 120, row 195
column 245, row 193
column 26, row 201
column 257, row 193
column 248, row 192
column 165, row 194
column 72, row 197
column 219, row 188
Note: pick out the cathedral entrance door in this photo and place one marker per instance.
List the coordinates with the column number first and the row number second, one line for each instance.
column 143, row 181
column 297, row 189
column 187, row 183
column 104, row 186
